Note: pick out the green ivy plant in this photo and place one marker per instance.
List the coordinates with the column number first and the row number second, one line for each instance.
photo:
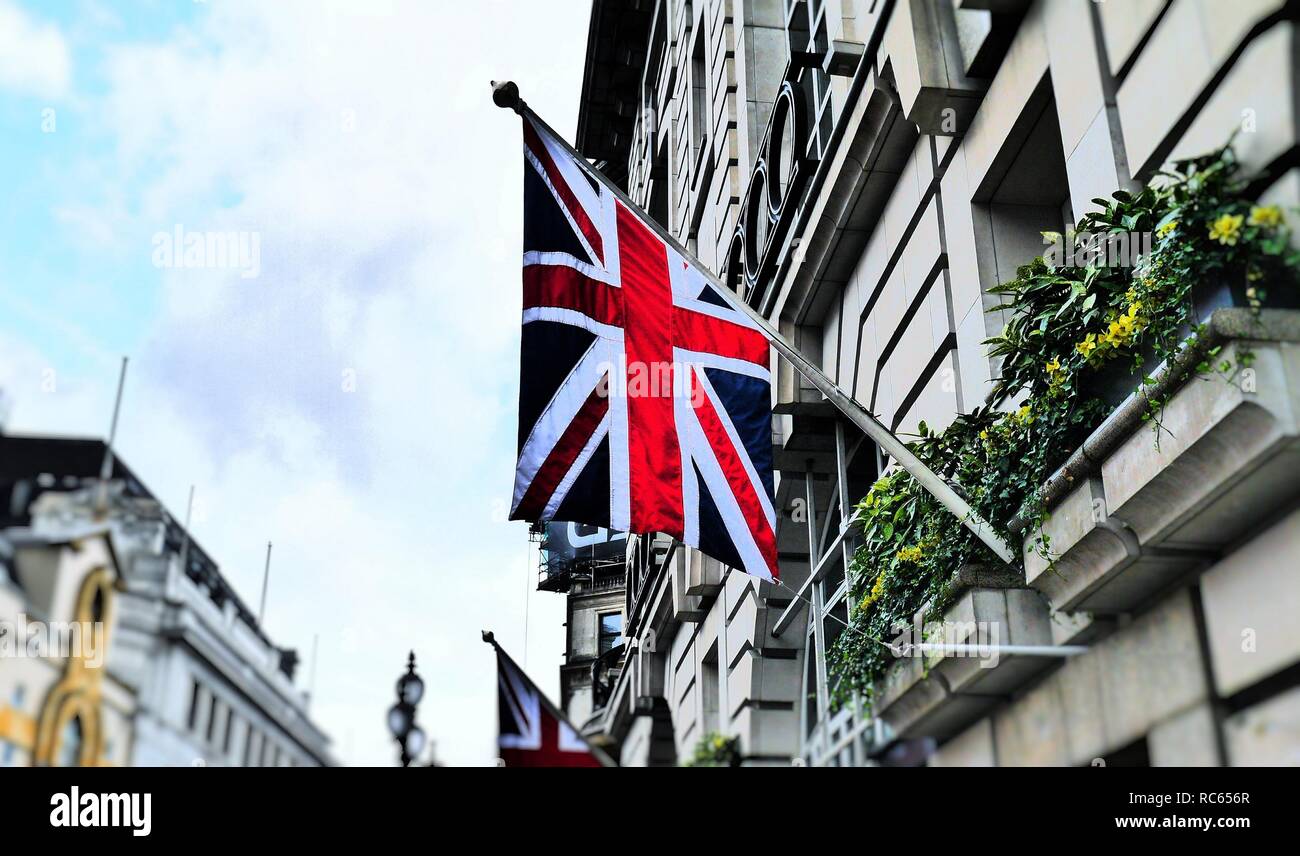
column 715, row 750
column 1067, row 325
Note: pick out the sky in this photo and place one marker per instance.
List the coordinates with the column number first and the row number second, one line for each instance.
column 354, row 400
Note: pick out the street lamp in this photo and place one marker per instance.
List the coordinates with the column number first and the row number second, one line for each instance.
column 401, row 716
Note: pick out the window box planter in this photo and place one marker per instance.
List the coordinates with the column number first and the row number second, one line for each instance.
column 1114, row 383
column 1129, row 517
column 938, row 694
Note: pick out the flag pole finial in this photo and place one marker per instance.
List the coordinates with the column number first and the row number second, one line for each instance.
column 505, row 94
column 488, row 637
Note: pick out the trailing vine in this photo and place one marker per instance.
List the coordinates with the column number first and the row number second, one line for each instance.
column 1073, row 328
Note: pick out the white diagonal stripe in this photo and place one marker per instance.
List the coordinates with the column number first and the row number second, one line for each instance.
column 555, row 418
column 573, row 318
column 716, row 481
column 566, row 483
column 734, row 437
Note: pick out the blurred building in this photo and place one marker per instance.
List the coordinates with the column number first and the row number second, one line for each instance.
column 189, row 676
column 863, row 172
column 58, row 617
column 586, row 564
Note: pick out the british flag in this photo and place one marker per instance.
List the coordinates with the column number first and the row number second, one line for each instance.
column 532, row 732
column 645, row 398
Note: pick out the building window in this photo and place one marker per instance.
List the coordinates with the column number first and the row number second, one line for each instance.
column 248, row 745
column 230, row 722
column 1025, row 194
column 709, row 673
column 824, row 729
column 1135, row 754
column 658, row 202
column 212, row 718
column 194, row 706
column 70, row 743
column 699, row 95
column 611, row 630
column 806, row 29
column 97, row 605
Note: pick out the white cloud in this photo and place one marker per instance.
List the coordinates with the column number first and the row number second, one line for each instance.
column 34, row 58
column 362, row 146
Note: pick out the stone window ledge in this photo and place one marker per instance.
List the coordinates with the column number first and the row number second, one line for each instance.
column 1130, row 517
column 938, row 694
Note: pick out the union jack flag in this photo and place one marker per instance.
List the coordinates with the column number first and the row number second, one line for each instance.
column 532, row 732
column 645, row 398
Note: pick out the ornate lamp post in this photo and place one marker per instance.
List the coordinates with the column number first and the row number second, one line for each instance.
column 401, row 716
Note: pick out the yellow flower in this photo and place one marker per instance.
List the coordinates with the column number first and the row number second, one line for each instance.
column 910, row 554
column 1133, row 308
column 1167, row 228
column 1053, row 366
column 875, row 594
column 1268, row 216
column 1121, row 330
column 1088, row 345
column 1226, row 229
column 984, row 435
column 1251, row 292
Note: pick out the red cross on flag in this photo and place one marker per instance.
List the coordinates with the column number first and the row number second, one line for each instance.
column 645, row 400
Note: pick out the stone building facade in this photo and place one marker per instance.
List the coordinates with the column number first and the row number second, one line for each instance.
column 188, row 676
column 864, row 172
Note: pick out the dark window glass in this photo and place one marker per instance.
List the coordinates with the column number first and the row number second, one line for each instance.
column 70, row 743
column 611, row 628
column 248, row 745
column 212, row 718
column 699, row 95
column 97, row 605
column 230, row 723
column 194, row 705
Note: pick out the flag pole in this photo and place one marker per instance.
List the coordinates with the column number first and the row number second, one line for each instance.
column 506, row 95
column 185, row 536
column 106, row 465
column 266, row 578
